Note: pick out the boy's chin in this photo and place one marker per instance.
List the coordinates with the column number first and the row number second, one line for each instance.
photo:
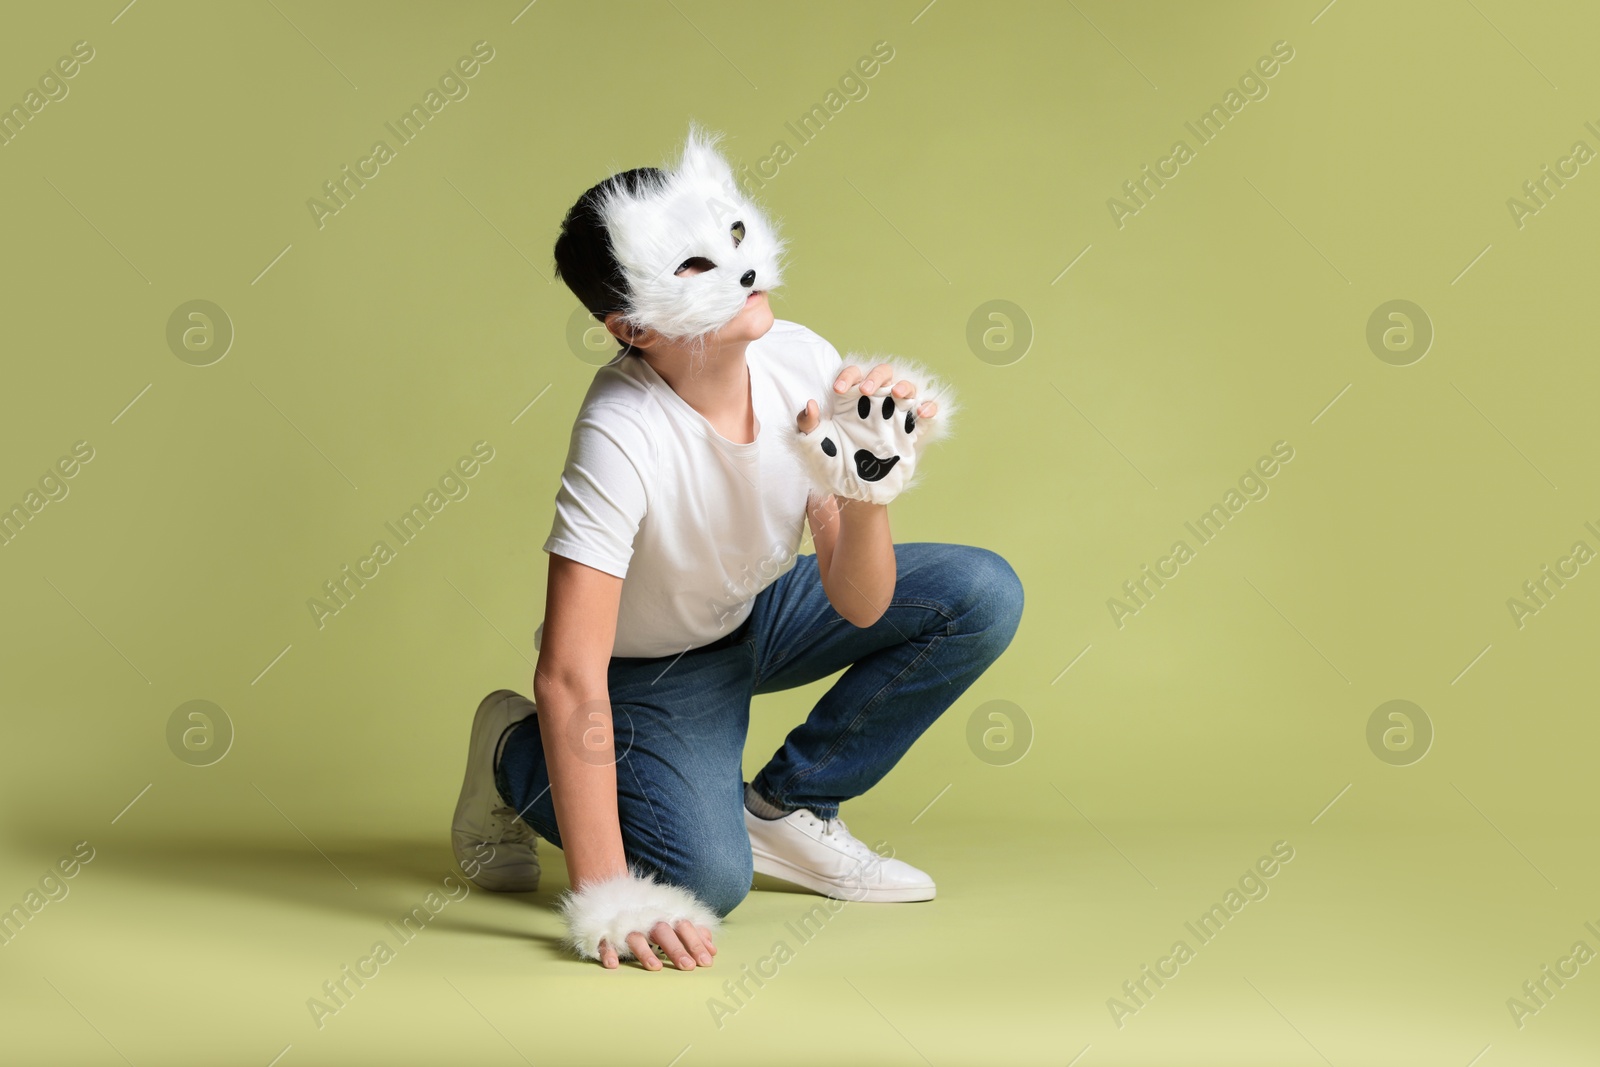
column 752, row 322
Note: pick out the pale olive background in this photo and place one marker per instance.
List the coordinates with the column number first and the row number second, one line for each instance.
column 1228, row 314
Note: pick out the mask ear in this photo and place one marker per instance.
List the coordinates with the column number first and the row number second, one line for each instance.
column 701, row 158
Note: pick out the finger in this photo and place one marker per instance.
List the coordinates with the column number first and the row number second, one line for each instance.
column 880, row 376
column 847, row 377
column 608, row 955
column 691, row 941
column 809, row 418
column 662, row 935
column 904, row 388
column 641, row 948
column 928, row 410
column 705, row 935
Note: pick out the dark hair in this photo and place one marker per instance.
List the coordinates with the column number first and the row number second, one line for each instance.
column 584, row 259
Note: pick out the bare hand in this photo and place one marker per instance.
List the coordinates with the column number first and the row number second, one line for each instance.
column 683, row 946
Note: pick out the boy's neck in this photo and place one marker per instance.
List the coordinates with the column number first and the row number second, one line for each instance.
column 715, row 382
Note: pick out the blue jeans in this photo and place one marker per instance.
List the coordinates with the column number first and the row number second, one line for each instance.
column 680, row 723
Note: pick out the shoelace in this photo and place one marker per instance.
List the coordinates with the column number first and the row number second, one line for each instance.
column 509, row 828
column 834, row 826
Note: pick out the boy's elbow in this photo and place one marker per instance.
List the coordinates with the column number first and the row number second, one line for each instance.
column 857, row 612
column 559, row 681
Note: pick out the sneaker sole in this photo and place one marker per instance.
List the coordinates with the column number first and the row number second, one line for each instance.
column 772, row 866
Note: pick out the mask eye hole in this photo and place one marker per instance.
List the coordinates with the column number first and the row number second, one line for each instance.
column 738, row 233
column 694, row 265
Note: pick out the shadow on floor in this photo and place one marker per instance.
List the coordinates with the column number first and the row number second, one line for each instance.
column 376, row 879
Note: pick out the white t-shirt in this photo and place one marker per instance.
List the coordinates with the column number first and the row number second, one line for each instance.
column 693, row 523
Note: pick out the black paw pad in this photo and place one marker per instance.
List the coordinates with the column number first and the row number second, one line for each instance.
column 870, row 468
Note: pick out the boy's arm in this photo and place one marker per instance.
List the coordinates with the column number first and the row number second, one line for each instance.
column 571, row 691
column 856, row 536
column 574, row 708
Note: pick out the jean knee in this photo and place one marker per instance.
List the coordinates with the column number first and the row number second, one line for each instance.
column 717, row 868
column 992, row 598
column 721, row 881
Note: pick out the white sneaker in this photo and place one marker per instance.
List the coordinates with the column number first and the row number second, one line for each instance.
column 496, row 849
column 824, row 857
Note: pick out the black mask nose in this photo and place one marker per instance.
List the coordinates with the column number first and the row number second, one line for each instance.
column 748, row 279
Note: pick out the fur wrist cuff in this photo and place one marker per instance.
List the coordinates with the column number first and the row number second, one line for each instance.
column 867, row 448
column 627, row 903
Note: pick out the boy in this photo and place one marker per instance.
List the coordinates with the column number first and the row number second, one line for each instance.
column 675, row 592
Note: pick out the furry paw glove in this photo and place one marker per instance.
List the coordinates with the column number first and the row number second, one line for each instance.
column 612, row 909
column 867, row 446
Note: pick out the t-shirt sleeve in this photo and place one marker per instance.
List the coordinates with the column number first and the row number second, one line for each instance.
column 829, row 361
column 602, row 499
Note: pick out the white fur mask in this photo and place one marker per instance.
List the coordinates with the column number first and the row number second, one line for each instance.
column 696, row 212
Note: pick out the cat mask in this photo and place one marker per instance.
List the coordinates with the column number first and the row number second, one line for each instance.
column 691, row 215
